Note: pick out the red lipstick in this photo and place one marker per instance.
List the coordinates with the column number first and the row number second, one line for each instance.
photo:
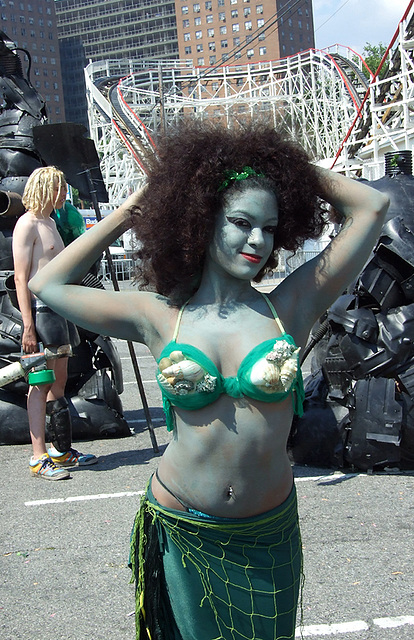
column 252, row 258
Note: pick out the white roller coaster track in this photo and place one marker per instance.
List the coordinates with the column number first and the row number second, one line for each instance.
column 319, row 97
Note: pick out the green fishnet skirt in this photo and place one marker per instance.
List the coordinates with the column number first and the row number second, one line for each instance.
column 224, row 579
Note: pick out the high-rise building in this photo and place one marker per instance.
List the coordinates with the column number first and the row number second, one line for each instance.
column 205, row 32
column 214, row 32
column 93, row 30
column 32, row 27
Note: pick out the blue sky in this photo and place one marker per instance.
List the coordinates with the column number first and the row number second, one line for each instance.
column 355, row 22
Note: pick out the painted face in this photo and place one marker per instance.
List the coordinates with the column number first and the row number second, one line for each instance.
column 243, row 238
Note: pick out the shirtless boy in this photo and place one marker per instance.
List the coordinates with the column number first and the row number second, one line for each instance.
column 36, row 241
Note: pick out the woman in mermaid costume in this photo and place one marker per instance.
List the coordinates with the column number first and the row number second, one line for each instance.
column 215, row 548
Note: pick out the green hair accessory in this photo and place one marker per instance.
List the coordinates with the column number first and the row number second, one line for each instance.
column 230, row 176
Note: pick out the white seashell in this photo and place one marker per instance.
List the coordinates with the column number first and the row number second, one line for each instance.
column 186, row 369
column 164, row 363
column 289, row 370
column 165, row 384
column 176, row 356
column 265, row 374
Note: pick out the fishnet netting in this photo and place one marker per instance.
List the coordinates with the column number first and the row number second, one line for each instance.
column 232, row 580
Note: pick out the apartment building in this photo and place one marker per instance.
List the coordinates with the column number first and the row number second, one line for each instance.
column 32, row 27
column 93, row 30
column 214, row 32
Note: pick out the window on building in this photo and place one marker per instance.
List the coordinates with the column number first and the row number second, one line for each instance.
column 210, row 33
column 196, row 8
column 222, row 16
column 187, row 51
column 197, row 22
column 225, row 57
column 200, row 61
column 186, row 24
column 234, row 13
column 248, row 25
column 184, row 10
column 212, row 46
column 224, row 44
column 259, row 9
column 223, row 30
column 262, row 51
column 212, row 59
column 199, row 48
column 250, row 53
column 198, row 35
column 187, row 37
column 209, row 5
column 236, row 42
column 260, row 23
column 247, row 12
column 220, row 3
column 262, row 36
column 209, row 18
column 236, row 27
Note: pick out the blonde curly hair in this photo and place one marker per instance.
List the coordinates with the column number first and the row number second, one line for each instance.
column 39, row 189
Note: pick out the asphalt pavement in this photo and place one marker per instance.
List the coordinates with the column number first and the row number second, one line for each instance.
column 64, row 545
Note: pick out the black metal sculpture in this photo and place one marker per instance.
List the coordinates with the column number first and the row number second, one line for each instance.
column 359, row 408
column 95, row 374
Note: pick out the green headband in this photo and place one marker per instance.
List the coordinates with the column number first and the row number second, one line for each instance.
column 231, row 175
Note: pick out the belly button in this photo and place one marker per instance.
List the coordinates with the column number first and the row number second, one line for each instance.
column 230, row 492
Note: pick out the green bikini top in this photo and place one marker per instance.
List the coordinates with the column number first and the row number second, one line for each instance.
column 190, row 380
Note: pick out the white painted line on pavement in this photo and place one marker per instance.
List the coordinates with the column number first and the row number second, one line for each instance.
column 331, row 629
column 391, row 623
column 134, row 382
column 329, row 478
column 138, row 357
column 318, row 630
column 99, row 496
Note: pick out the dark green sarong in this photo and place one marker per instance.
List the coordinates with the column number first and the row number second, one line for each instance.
column 220, row 579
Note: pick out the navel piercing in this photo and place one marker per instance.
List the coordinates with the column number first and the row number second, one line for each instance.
column 230, row 491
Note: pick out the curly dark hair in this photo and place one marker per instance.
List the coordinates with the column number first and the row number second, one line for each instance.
column 175, row 221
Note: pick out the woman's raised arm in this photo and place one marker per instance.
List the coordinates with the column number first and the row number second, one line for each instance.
column 321, row 280
column 119, row 314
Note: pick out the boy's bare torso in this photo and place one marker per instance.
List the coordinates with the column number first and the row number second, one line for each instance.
column 47, row 242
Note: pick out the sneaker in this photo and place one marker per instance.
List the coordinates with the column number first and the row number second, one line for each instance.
column 45, row 468
column 71, row 458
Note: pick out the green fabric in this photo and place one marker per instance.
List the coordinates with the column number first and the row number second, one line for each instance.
column 229, row 579
column 236, row 387
column 69, row 222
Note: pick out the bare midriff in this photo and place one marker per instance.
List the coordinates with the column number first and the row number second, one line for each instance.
column 228, row 459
